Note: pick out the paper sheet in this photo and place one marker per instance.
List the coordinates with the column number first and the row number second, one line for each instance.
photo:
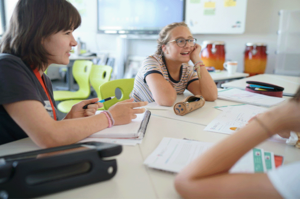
column 121, row 131
column 242, row 96
column 233, row 118
column 174, row 154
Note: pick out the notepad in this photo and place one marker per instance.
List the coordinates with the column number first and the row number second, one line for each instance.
column 242, row 96
column 174, row 154
column 134, row 130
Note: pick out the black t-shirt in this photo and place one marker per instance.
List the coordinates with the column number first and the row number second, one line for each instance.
column 18, row 83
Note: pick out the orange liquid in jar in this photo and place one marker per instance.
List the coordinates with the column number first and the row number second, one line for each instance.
column 213, row 55
column 255, row 59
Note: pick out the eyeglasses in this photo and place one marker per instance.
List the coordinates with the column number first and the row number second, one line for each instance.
column 181, row 42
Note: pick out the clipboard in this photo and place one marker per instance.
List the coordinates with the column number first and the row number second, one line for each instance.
column 47, row 171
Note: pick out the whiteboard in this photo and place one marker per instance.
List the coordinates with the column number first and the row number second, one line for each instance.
column 216, row 16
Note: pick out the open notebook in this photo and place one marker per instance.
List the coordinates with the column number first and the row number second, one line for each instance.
column 134, row 130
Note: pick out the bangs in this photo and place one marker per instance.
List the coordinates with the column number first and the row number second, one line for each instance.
column 69, row 17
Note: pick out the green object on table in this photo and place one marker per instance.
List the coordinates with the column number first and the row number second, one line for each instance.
column 81, row 72
column 99, row 75
column 108, row 90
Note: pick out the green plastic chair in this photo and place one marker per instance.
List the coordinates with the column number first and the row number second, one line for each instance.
column 81, row 72
column 99, row 75
column 108, row 90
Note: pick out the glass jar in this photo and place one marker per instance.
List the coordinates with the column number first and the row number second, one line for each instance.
column 213, row 54
column 255, row 59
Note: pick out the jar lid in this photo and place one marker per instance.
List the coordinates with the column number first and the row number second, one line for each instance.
column 206, row 42
column 256, row 44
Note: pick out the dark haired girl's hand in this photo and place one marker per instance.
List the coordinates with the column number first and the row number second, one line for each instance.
column 77, row 111
column 123, row 112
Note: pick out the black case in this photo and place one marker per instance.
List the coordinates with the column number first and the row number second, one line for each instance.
column 27, row 175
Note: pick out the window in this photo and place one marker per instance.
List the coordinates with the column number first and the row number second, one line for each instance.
column 2, row 17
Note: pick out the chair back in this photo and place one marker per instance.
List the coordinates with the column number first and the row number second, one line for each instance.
column 99, row 75
column 108, row 89
column 81, row 72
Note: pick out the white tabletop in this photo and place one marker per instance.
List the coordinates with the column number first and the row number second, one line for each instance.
column 224, row 75
column 135, row 180
column 289, row 83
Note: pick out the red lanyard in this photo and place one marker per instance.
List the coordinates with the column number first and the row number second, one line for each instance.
column 38, row 76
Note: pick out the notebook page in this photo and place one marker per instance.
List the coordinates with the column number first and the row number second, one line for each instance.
column 121, row 131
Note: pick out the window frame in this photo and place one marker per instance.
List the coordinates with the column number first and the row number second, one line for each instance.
column 2, row 12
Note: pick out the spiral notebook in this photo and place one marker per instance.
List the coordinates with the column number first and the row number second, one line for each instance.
column 134, row 130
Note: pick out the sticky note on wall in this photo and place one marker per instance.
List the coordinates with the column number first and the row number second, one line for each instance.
column 194, row 1
column 210, row 4
column 229, row 3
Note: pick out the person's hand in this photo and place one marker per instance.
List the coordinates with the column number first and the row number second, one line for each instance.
column 77, row 111
column 123, row 112
column 195, row 53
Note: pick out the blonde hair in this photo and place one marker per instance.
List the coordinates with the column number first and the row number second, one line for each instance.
column 164, row 35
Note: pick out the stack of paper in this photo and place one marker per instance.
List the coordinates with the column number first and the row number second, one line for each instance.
column 247, row 97
column 128, row 134
column 174, row 154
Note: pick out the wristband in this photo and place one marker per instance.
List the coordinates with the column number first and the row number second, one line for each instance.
column 199, row 62
column 108, row 118
column 111, row 117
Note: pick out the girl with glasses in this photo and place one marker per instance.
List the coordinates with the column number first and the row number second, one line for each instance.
column 208, row 176
column 40, row 33
column 167, row 73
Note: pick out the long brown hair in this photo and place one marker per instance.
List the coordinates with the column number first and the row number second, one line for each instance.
column 33, row 20
column 164, row 35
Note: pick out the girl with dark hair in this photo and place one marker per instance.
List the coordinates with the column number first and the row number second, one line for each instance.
column 40, row 33
column 167, row 73
column 208, row 176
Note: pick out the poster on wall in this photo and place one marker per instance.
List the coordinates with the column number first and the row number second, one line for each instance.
column 216, row 16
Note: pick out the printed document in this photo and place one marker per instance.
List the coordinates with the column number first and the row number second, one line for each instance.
column 174, row 154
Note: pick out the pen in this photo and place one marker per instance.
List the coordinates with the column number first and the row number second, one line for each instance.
column 101, row 101
column 257, row 86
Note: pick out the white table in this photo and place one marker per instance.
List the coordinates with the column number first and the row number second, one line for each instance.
column 289, row 83
column 223, row 76
column 133, row 179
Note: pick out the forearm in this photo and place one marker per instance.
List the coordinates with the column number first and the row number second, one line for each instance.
column 162, row 91
column 166, row 96
column 208, row 87
column 65, row 132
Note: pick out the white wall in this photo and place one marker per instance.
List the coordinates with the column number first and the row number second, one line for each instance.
column 262, row 22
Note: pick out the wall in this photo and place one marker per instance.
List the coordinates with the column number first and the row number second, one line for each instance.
column 262, row 22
